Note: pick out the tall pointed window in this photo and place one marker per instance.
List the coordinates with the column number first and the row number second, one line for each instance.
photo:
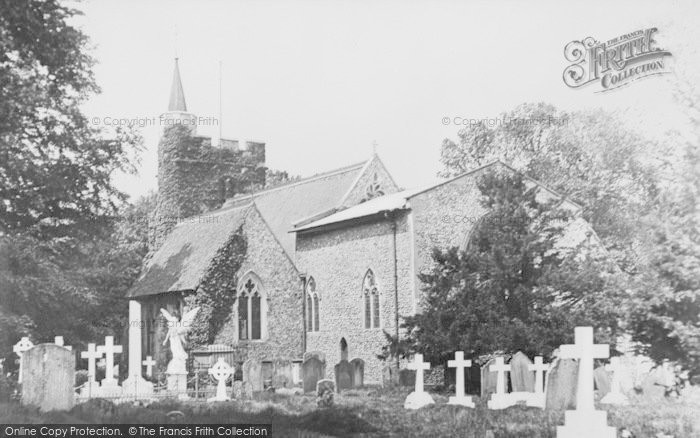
column 370, row 300
column 252, row 309
column 243, row 315
column 312, row 306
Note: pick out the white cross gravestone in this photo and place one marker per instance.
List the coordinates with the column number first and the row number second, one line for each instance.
column 109, row 350
column 537, row 399
column 615, row 396
column 418, row 398
column 149, row 363
column 460, row 364
column 221, row 371
column 500, row 399
column 58, row 340
column 585, row 420
column 19, row 348
column 91, row 355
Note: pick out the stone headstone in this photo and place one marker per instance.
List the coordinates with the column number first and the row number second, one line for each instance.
column 49, row 377
column 489, row 378
column 284, row 368
column 585, row 420
column 312, row 371
column 358, row 375
column 390, row 376
column 320, row 355
column 602, row 381
column 418, row 398
column 343, row 375
column 324, row 393
column 221, row 371
column 280, row 381
column 242, row 390
column 560, row 385
column 252, row 373
column 521, row 378
column 407, row 377
column 654, row 383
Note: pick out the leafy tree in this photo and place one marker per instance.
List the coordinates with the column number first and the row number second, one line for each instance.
column 590, row 157
column 55, row 169
column 66, row 257
column 665, row 312
column 513, row 288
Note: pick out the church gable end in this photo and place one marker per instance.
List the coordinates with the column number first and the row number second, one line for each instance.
column 374, row 181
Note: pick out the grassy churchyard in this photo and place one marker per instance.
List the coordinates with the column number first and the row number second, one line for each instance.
column 375, row 412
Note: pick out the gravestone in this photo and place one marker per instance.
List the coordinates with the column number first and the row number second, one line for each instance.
column 654, row 384
column 221, row 371
column 241, row 390
column 561, row 385
column 343, row 375
column 390, row 376
column 252, row 373
column 615, row 396
column 459, row 363
column 284, row 368
column 320, row 355
column 49, row 377
column 280, row 381
column 324, row 393
column 489, row 378
column 602, row 381
column 268, row 370
column 585, row 420
column 521, row 378
column 418, row 398
column 312, row 371
column 358, row 375
column 407, row 377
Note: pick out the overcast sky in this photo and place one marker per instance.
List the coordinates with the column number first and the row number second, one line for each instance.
column 320, row 81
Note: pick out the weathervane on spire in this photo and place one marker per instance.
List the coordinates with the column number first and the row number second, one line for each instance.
column 374, row 146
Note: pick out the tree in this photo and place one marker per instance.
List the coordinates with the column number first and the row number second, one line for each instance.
column 55, row 169
column 590, row 157
column 66, row 257
column 513, row 288
column 665, row 312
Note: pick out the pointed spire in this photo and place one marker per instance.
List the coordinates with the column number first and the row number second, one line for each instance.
column 177, row 95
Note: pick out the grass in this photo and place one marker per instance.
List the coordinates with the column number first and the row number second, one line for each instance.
column 372, row 412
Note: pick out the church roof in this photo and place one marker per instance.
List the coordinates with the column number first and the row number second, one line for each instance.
column 282, row 206
column 181, row 263
column 183, row 259
column 386, row 203
column 400, row 201
column 177, row 94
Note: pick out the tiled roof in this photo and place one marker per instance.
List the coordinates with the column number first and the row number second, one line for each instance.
column 183, row 259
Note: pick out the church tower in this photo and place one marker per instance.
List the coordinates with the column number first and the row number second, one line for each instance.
column 193, row 176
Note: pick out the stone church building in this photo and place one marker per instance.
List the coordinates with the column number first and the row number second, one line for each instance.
column 331, row 261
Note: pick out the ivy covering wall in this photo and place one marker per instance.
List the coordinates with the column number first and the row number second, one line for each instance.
column 217, row 293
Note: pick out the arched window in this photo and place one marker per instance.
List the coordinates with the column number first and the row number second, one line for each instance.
column 252, row 309
column 312, row 306
column 370, row 300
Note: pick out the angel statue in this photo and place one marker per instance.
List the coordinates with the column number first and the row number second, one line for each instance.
column 177, row 330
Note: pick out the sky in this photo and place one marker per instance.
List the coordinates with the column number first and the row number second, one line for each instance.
column 322, row 82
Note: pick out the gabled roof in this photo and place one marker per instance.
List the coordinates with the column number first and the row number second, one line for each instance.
column 282, row 206
column 386, row 203
column 400, row 201
column 181, row 263
column 187, row 252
